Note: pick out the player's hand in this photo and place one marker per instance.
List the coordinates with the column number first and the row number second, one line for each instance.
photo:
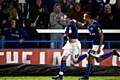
column 98, row 51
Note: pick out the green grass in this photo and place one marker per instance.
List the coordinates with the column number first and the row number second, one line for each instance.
column 65, row 78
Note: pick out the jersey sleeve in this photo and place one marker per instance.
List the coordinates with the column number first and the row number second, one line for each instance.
column 97, row 28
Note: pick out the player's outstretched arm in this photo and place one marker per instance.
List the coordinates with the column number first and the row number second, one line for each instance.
column 80, row 24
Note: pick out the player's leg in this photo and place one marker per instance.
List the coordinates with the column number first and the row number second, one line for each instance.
column 89, row 68
column 106, row 55
column 89, row 65
column 82, row 56
column 87, row 72
column 77, row 56
column 100, row 58
column 61, row 69
column 66, row 53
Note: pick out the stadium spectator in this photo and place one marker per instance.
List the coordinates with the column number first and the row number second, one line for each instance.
column 77, row 13
column 56, row 22
column 15, row 32
column 49, row 4
column 13, row 14
column 5, row 8
column 40, row 20
column 2, row 15
column 106, row 19
column 3, row 24
column 22, row 8
column 116, row 12
column 85, row 5
column 67, row 7
column 97, row 7
column 43, row 14
column 30, row 9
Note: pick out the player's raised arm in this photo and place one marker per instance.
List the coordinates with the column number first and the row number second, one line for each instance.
column 80, row 24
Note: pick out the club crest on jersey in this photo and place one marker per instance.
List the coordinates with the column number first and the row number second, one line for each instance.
column 91, row 29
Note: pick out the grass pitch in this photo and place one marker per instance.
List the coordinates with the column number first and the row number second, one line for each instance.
column 65, row 78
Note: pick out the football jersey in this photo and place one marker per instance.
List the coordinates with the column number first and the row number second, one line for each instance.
column 95, row 31
column 74, row 29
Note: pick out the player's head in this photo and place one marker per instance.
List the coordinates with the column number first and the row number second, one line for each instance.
column 87, row 17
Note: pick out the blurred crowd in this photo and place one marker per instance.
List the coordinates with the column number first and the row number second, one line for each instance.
column 19, row 19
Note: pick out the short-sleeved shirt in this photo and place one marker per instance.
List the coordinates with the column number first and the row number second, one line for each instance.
column 95, row 31
column 74, row 29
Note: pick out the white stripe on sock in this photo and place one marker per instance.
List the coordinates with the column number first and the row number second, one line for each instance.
column 60, row 73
